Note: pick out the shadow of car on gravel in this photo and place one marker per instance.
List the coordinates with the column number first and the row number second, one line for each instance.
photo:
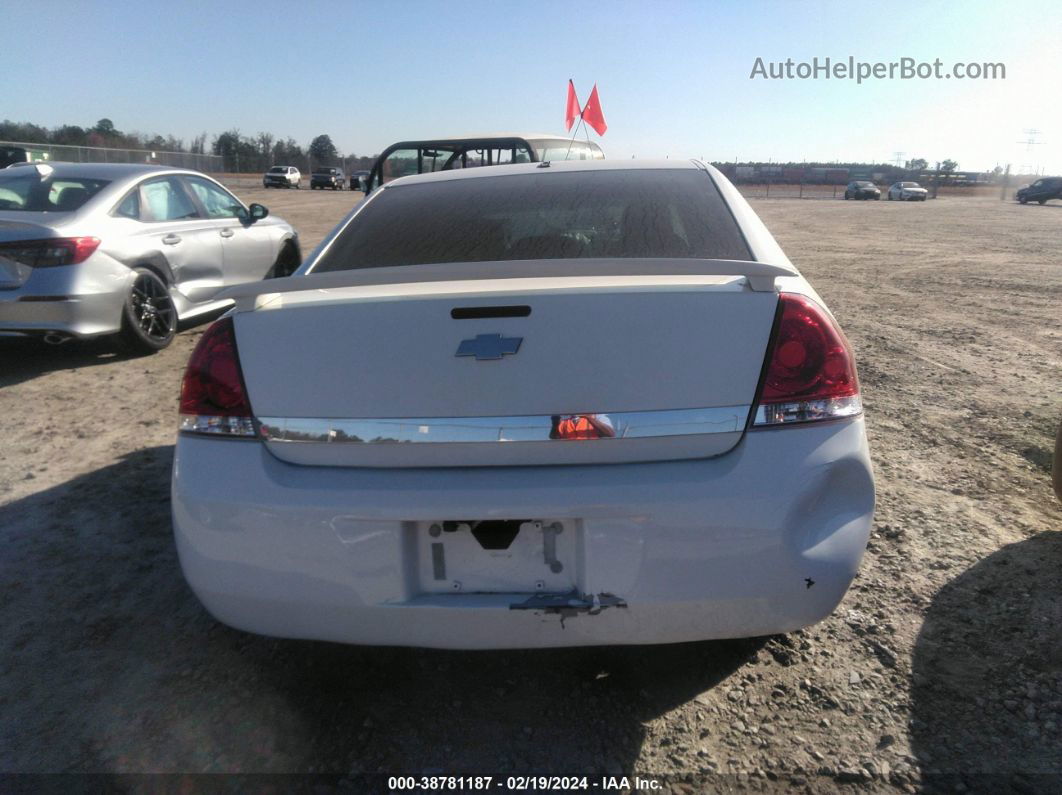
column 110, row 664
column 987, row 675
column 26, row 358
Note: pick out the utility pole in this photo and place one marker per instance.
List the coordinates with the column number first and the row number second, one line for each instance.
column 1030, row 141
column 1003, row 183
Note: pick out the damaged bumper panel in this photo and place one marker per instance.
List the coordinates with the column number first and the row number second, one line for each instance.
column 763, row 540
column 82, row 300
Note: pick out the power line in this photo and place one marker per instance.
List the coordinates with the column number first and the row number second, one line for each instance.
column 1030, row 140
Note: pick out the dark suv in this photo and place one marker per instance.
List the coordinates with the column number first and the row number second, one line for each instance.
column 1041, row 191
column 328, row 178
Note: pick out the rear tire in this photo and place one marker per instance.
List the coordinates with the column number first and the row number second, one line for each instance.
column 149, row 318
column 1042, row 201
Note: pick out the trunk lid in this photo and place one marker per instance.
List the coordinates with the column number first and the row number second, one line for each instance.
column 14, row 274
column 20, row 225
column 414, row 374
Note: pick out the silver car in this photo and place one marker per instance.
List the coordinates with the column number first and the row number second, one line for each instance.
column 88, row 249
column 907, row 192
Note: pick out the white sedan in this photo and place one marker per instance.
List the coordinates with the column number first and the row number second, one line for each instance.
column 907, row 191
column 552, row 404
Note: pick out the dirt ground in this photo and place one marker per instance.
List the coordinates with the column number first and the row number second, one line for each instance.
column 941, row 669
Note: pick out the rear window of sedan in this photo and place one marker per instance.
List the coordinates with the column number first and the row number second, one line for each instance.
column 661, row 213
column 27, row 191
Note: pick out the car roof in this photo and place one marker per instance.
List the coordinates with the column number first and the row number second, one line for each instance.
column 108, row 171
column 555, row 166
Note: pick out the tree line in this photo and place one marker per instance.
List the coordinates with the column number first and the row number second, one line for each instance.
column 241, row 153
column 916, row 164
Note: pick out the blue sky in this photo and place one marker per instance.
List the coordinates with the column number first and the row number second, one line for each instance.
column 673, row 76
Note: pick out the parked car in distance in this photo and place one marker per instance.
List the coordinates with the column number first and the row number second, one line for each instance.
column 282, row 177
column 1042, row 191
column 324, row 177
column 862, row 189
column 907, row 191
column 527, row 407
column 88, row 249
column 359, row 180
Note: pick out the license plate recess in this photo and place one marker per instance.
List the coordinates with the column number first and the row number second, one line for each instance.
column 499, row 556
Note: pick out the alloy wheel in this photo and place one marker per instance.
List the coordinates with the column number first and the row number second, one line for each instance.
column 152, row 307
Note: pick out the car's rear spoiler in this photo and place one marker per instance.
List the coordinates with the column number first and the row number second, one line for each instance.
column 760, row 276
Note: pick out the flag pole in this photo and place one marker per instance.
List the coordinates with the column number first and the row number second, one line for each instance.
column 572, row 141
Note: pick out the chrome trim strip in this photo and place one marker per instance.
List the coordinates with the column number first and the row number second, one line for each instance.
column 534, row 428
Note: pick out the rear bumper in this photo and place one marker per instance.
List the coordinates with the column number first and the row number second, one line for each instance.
column 83, row 300
column 763, row 540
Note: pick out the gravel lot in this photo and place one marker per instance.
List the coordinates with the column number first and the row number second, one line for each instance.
column 942, row 665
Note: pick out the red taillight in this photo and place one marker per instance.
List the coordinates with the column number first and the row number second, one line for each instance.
column 52, row 252
column 213, row 396
column 81, row 248
column 811, row 372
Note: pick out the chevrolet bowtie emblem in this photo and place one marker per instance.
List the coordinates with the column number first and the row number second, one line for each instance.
column 489, row 346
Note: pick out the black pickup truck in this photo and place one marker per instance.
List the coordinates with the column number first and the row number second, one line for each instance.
column 327, row 178
column 1042, row 191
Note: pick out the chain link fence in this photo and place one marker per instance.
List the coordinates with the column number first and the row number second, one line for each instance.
column 102, row 154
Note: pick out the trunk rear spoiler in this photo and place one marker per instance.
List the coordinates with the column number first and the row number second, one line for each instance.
column 760, row 276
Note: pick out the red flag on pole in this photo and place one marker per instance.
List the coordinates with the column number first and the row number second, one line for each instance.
column 592, row 114
column 571, row 112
